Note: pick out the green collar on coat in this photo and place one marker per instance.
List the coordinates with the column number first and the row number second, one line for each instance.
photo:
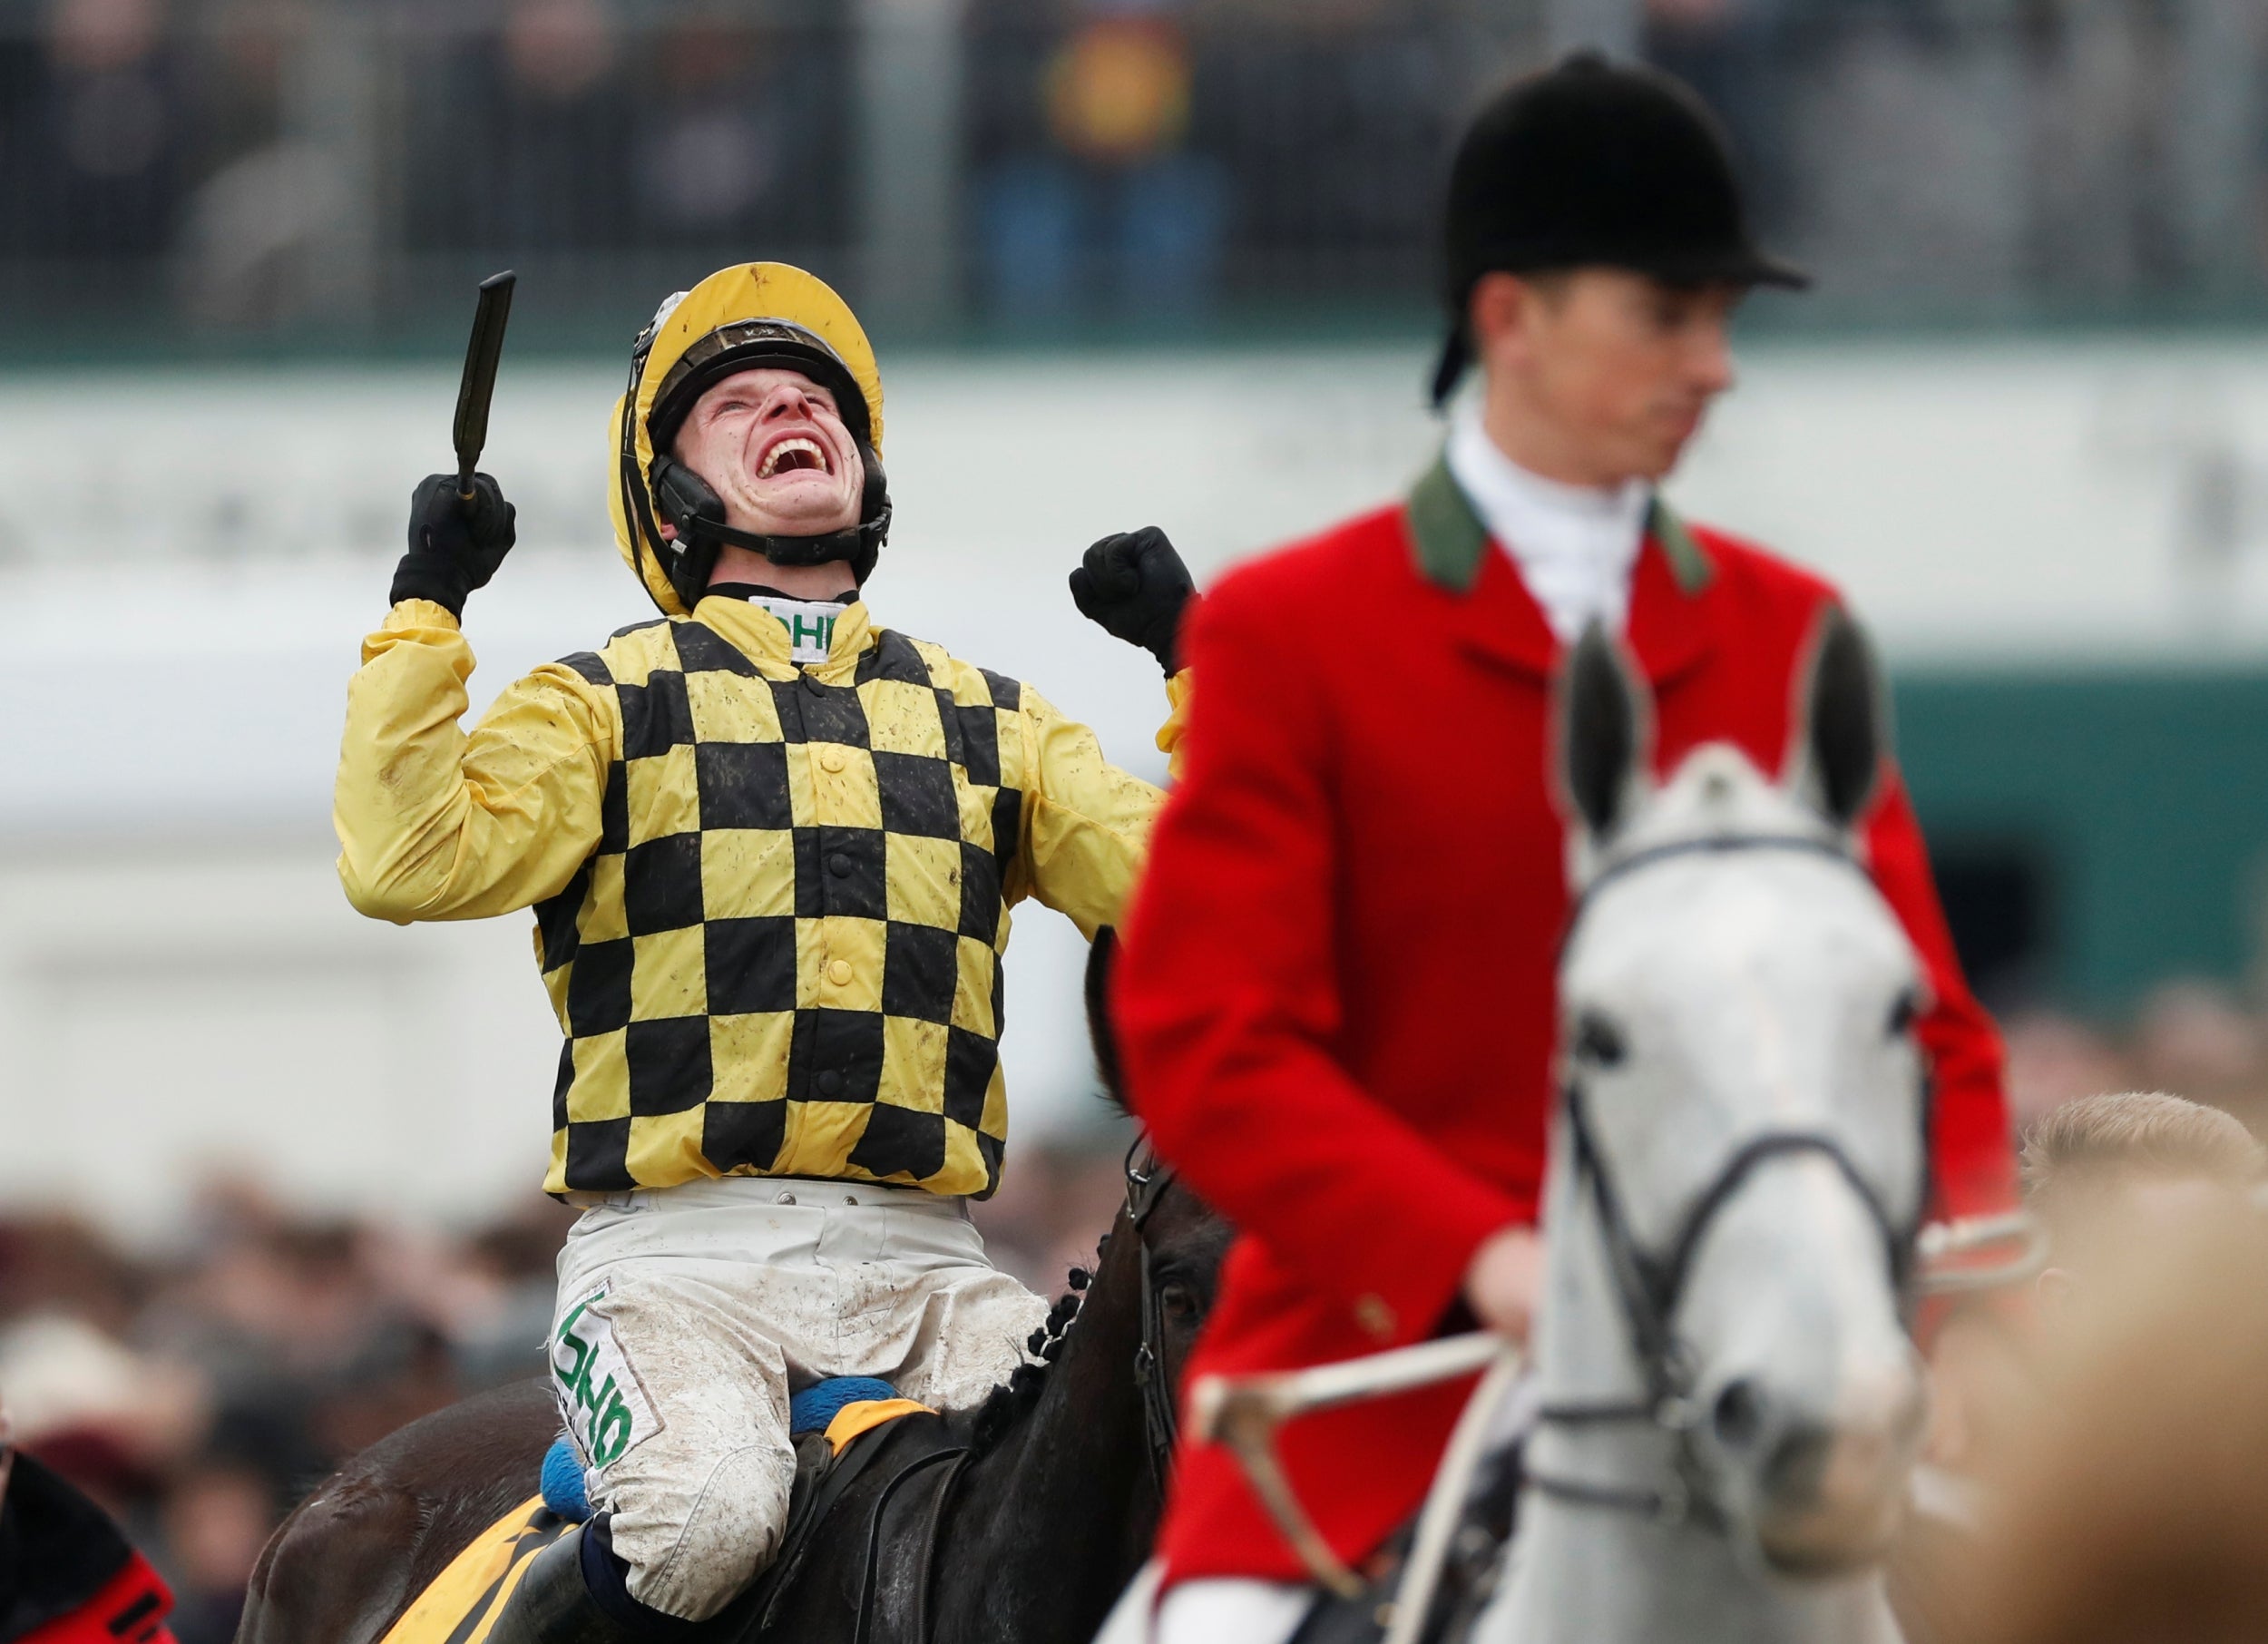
column 1451, row 541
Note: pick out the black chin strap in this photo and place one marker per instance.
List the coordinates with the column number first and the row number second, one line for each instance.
column 845, row 544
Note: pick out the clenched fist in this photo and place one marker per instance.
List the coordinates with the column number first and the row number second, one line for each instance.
column 1135, row 586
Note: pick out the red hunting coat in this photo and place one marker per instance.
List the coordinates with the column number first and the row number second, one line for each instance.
column 1336, row 997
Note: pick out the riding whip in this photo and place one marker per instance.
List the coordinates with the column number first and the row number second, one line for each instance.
column 479, row 384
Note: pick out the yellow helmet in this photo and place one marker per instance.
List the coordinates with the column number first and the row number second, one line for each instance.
column 751, row 314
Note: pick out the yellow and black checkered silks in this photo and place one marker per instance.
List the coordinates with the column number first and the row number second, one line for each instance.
column 784, row 955
column 771, row 900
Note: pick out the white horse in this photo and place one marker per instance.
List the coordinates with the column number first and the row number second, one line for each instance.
column 1726, row 1404
column 1730, row 1404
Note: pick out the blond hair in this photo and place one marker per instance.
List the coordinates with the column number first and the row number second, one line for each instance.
column 2134, row 1132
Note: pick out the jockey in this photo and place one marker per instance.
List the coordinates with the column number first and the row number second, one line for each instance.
column 771, row 848
column 67, row 1576
column 1336, row 997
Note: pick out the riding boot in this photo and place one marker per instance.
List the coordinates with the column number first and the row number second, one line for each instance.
column 553, row 1603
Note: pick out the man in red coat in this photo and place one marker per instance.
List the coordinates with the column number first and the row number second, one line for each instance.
column 1337, row 998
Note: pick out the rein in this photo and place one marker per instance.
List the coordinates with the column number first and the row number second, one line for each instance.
column 1146, row 1184
column 1649, row 1285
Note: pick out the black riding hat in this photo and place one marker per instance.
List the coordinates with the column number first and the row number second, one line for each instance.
column 1592, row 164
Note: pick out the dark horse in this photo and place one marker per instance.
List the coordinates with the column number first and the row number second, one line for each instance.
column 1051, row 1514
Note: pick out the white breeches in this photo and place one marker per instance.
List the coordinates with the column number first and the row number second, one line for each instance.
column 1215, row 1611
column 1233, row 1612
column 688, row 1315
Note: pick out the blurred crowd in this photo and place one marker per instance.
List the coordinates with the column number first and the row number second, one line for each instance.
column 254, row 164
column 2199, row 1039
column 199, row 1393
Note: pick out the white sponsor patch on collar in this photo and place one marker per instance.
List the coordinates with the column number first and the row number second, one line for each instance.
column 605, row 1407
column 810, row 624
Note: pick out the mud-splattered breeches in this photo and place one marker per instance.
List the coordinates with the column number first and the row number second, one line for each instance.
column 688, row 1315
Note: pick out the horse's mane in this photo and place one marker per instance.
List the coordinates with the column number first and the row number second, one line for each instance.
column 1005, row 1407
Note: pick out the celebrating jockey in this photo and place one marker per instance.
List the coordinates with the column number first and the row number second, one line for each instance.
column 1336, row 999
column 771, row 848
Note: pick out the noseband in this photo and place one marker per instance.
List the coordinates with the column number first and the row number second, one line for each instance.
column 1146, row 1184
column 1649, row 1285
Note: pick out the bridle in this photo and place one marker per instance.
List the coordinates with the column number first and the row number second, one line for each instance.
column 1651, row 1284
column 1245, row 1412
column 1146, row 1185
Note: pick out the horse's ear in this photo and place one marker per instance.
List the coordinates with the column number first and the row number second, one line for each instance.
column 1845, row 722
column 1099, row 1032
column 1602, row 733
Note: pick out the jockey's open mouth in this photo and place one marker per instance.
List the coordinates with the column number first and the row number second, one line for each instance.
column 789, row 452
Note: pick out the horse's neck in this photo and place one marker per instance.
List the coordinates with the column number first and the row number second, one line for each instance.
column 1045, row 1525
column 1586, row 1574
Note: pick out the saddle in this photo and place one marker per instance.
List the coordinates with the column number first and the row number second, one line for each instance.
column 845, row 1431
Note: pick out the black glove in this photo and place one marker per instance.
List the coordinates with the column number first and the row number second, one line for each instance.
column 1135, row 586
column 455, row 546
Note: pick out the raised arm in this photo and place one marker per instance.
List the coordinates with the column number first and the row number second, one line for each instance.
column 435, row 824
column 1086, row 823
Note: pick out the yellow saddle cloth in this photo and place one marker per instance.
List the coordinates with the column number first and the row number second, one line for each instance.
column 461, row 1605
column 462, row 1602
